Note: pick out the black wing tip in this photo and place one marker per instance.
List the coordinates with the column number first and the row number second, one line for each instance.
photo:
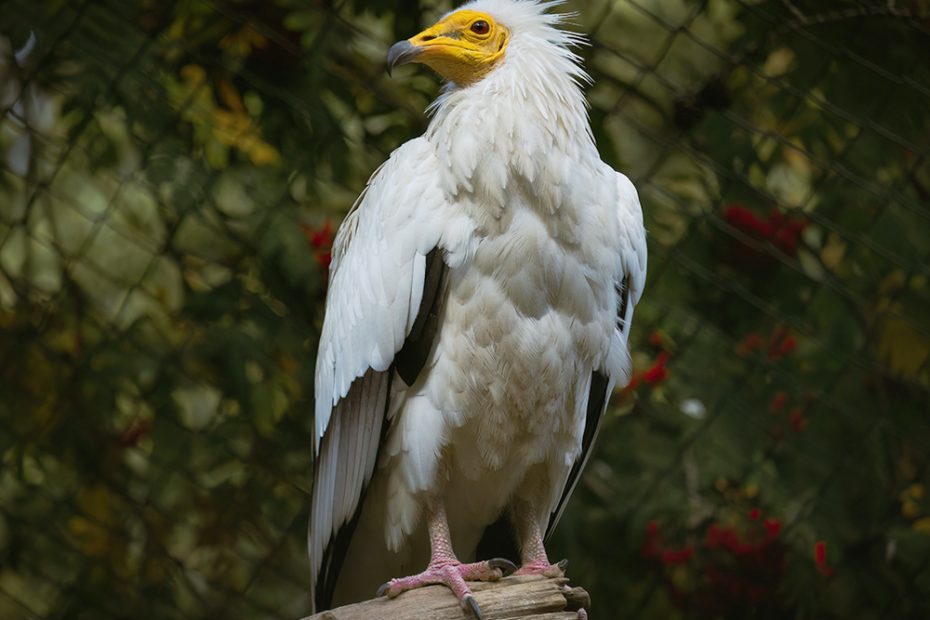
column 597, row 401
column 412, row 357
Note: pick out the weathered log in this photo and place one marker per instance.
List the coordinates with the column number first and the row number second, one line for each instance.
column 527, row 597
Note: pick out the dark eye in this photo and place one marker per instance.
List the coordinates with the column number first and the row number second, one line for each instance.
column 481, row 27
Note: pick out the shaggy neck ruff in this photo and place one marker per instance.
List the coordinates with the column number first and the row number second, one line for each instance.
column 524, row 126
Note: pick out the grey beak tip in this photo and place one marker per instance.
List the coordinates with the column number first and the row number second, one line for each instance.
column 400, row 53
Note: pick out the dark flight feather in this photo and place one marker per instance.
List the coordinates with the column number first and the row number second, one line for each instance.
column 410, row 360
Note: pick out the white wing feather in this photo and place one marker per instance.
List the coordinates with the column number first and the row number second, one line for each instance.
column 375, row 289
column 634, row 239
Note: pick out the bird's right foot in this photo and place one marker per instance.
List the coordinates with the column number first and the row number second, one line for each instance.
column 453, row 575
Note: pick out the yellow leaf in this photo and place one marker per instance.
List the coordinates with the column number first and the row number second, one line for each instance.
column 922, row 525
column 261, row 153
column 893, row 282
column 915, row 492
column 97, row 503
column 88, row 538
column 89, row 528
column 244, row 41
column 218, row 126
column 193, row 75
column 910, row 509
column 833, row 252
column 901, row 348
column 229, row 96
column 779, row 61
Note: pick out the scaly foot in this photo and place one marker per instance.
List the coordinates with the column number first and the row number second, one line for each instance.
column 543, row 568
column 453, row 575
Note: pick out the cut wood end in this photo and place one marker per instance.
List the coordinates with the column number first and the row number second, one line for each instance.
column 523, row 597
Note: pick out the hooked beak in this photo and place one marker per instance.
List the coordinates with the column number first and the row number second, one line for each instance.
column 401, row 53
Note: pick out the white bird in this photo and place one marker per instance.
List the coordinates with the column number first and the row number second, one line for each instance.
column 480, row 299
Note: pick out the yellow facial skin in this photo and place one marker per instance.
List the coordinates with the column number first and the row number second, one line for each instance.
column 461, row 48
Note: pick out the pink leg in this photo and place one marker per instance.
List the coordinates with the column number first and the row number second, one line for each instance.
column 533, row 558
column 444, row 568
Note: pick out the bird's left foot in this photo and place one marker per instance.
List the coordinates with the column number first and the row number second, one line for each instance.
column 543, row 568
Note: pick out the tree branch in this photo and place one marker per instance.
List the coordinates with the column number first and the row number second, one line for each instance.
column 528, row 597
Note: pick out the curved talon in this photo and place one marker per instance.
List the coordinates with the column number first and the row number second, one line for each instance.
column 383, row 589
column 563, row 564
column 506, row 566
column 473, row 605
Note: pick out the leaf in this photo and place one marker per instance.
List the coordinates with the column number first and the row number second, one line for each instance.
column 902, row 349
column 197, row 406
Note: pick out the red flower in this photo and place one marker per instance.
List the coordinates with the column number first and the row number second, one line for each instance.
column 779, row 230
column 779, row 348
column 787, row 233
column 820, row 559
column 797, row 419
column 321, row 240
column 820, row 553
column 772, row 527
column 781, row 343
column 740, row 217
column 655, row 339
column 321, row 237
column 737, row 567
column 725, row 538
column 652, row 545
column 674, row 557
column 658, row 372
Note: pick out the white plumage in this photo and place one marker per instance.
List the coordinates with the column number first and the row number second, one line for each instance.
column 541, row 242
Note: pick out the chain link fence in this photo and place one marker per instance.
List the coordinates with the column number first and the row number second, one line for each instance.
column 171, row 175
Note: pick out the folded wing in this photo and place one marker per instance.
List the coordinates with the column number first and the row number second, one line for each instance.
column 386, row 283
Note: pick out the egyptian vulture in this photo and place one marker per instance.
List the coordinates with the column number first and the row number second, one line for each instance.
column 480, row 299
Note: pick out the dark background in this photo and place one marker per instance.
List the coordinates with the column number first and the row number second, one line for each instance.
column 171, row 174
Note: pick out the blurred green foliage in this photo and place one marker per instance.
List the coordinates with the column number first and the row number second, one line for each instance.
column 170, row 175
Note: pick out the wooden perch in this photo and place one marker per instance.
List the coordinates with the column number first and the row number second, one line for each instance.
column 528, row 597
